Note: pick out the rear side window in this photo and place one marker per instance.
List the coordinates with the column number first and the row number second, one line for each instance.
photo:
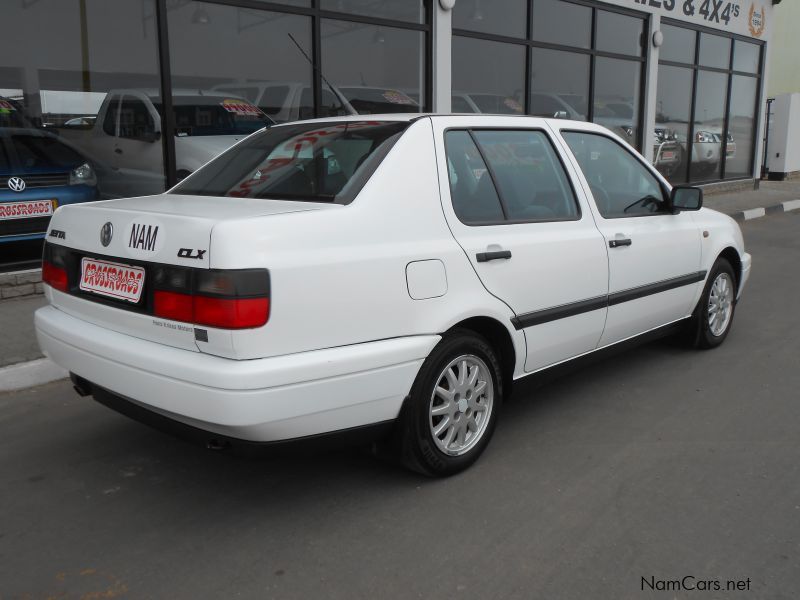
column 474, row 196
column 314, row 162
column 524, row 174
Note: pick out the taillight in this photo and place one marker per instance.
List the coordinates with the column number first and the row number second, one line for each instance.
column 54, row 267
column 223, row 299
column 54, row 276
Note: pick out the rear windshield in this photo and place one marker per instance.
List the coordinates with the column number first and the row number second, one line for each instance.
column 42, row 153
column 315, row 162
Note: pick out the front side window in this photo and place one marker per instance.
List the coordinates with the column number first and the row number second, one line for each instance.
column 523, row 181
column 313, row 162
column 135, row 121
column 206, row 115
column 621, row 185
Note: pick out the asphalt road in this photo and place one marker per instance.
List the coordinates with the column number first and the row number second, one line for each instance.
column 658, row 462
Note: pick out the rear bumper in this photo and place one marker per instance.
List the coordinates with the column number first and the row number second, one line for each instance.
column 262, row 400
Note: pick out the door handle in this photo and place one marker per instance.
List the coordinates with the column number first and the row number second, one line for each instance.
column 493, row 255
column 118, row 150
column 617, row 242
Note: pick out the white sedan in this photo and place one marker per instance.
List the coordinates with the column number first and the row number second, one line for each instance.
column 388, row 277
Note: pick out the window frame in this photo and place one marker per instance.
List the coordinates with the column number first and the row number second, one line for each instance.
column 528, row 42
column 490, row 170
column 665, row 190
column 316, row 15
column 730, row 71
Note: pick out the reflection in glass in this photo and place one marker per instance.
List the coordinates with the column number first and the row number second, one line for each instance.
column 673, row 111
column 709, row 121
column 616, row 96
column 678, row 45
column 53, row 92
column 619, row 33
column 400, row 10
column 503, row 17
column 715, row 51
column 238, row 67
column 746, row 57
column 561, row 22
column 489, row 76
column 741, row 127
column 559, row 84
column 377, row 69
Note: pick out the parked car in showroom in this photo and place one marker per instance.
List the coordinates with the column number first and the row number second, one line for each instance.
column 126, row 135
column 390, row 277
column 475, row 102
column 38, row 172
column 284, row 101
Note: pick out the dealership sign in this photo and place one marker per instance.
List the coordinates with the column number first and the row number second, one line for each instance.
column 744, row 17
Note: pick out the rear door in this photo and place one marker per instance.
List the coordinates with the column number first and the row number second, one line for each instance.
column 654, row 255
column 528, row 233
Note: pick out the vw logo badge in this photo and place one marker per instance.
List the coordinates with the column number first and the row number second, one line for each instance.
column 16, row 184
column 106, row 233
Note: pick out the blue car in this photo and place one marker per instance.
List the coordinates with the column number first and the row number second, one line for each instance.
column 38, row 173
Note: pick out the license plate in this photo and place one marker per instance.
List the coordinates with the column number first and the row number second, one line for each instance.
column 26, row 209
column 112, row 279
column 668, row 155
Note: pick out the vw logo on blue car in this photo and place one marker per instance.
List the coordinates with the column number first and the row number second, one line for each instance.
column 16, row 184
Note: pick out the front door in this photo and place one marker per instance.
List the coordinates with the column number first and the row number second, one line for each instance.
column 529, row 236
column 654, row 255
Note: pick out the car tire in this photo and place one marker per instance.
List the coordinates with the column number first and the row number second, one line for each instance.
column 713, row 317
column 449, row 417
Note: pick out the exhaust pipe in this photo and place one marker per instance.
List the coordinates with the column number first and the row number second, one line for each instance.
column 218, row 445
column 82, row 387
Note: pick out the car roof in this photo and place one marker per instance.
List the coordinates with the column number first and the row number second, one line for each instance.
column 408, row 117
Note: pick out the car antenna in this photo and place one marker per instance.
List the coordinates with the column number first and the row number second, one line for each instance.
column 336, row 92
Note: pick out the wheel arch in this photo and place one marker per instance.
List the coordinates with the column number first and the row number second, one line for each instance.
column 500, row 339
column 732, row 256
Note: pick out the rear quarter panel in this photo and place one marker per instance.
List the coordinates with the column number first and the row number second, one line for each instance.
column 338, row 277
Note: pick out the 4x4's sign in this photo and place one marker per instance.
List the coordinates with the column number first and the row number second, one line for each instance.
column 746, row 19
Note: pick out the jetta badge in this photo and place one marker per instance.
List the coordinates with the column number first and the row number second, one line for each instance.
column 16, row 184
column 106, row 233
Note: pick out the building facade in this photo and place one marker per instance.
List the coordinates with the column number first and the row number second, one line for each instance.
column 150, row 89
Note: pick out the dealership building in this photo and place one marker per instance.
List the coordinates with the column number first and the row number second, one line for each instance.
column 149, row 89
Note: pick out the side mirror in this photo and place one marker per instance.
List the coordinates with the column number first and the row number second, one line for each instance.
column 151, row 136
column 686, row 197
column 560, row 114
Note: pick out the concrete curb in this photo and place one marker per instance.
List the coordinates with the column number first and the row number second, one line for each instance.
column 29, row 374
column 755, row 213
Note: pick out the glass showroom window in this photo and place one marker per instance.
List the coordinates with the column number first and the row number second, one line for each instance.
column 234, row 71
column 617, row 85
column 673, row 113
column 741, row 127
column 377, row 69
column 488, row 77
column 560, row 63
column 412, row 11
column 57, row 95
column 723, row 77
column 559, row 84
column 499, row 17
column 563, row 23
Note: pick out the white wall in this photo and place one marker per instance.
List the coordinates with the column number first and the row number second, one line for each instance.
column 784, row 141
